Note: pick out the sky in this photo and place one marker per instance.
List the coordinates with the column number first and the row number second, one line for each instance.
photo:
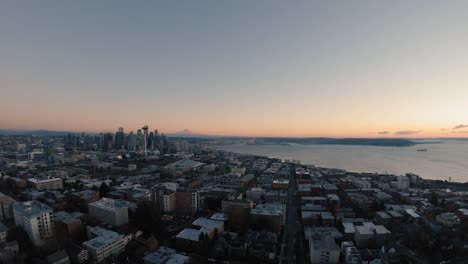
column 247, row 68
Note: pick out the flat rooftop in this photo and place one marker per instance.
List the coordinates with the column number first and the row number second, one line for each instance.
column 36, row 180
column 104, row 237
column 32, row 208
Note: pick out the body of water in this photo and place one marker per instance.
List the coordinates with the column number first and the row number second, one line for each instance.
column 444, row 161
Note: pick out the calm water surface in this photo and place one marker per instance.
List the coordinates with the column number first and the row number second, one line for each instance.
column 449, row 159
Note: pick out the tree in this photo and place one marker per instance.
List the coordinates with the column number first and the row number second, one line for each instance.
column 104, row 189
column 148, row 218
column 24, row 242
column 434, row 199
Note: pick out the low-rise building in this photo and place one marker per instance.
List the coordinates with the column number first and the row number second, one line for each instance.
column 201, row 225
column 110, row 211
column 324, row 250
column 105, row 243
column 256, row 194
column 59, row 257
column 165, row 255
column 46, row 184
column 270, row 215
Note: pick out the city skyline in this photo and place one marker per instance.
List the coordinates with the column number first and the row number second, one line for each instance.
column 313, row 69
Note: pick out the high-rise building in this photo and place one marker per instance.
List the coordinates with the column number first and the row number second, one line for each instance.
column 131, row 141
column 139, row 140
column 403, row 182
column 145, row 139
column 119, row 139
column 37, row 220
column 151, row 141
column 106, row 141
column 156, row 139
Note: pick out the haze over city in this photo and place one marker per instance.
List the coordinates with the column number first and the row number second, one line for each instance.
column 246, row 68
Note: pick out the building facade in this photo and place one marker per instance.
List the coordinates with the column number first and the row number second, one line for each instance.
column 109, row 211
column 105, row 243
column 46, row 184
column 37, row 220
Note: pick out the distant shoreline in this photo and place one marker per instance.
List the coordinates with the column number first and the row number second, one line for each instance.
column 382, row 142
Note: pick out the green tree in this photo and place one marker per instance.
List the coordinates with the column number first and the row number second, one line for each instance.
column 148, row 218
column 24, row 242
column 104, row 190
column 434, row 199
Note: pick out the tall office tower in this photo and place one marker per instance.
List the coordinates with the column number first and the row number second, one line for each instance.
column 145, row 139
column 131, row 141
column 107, row 140
column 163, row 144
column 120, row 139
column 151, row 141
column 156, row 139
column 139, row 140
column 37, row 220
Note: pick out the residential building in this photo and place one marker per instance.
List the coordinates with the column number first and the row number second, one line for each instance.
column 6, row 203
column 269, row 215
column 169, row 202
column 324, row 250
column 37, row 220
column 256, row 194
column 187, row 201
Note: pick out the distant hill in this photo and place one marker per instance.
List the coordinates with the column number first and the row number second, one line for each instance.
column 186, row 133
column 47, row 133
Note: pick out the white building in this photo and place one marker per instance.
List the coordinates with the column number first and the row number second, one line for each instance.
column 46, row 184
column 324, row 250
column 110, row 211
column 403, row 182
column 105, row 243
column 37, row 220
